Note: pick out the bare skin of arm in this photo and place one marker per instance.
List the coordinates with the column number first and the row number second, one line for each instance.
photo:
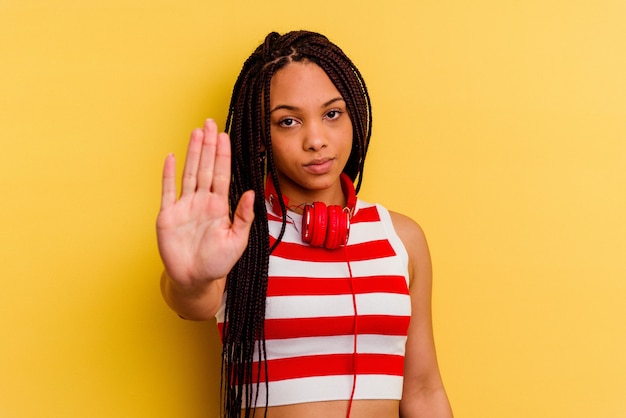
column 423, row 392
column 197, row 241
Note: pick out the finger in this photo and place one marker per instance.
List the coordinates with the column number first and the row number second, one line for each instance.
column 168, row 192
column 207, row 156
column 190, row 172
column 221, row 173
column 244, row 215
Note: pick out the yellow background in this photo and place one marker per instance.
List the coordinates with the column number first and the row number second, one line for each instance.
column 500, row 126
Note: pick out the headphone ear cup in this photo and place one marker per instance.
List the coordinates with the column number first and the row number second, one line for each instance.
column 344, row 226
column 320, row 224
column 307, row 225
column 325, row 226
column 334, row 233
column 315, row 224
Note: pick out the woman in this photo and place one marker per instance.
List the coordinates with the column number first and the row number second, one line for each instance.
column 323, row 301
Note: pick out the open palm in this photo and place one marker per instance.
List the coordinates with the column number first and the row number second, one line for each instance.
column 197, row 240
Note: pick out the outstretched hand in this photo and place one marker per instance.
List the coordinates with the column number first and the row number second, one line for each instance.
column 197, row 240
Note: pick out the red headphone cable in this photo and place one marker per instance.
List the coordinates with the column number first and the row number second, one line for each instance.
column 356, row 327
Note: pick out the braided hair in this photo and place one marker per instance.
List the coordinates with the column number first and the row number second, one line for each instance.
column 243, row 355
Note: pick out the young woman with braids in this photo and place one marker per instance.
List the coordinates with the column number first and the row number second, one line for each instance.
column 322, row 300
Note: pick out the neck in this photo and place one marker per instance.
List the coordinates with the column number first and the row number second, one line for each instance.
column 344, row 197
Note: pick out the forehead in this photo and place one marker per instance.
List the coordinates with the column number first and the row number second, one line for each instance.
column 301, row 82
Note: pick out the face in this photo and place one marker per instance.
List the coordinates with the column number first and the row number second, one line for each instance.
column 311, row 133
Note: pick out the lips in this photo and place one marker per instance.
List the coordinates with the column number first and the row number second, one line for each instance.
column 319, row 166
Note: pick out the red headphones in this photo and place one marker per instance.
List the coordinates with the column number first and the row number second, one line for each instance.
column 322, row 226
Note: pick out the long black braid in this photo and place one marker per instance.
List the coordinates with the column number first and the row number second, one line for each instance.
column 249, row 129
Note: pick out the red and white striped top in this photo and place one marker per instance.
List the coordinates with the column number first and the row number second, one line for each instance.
column 317, row 343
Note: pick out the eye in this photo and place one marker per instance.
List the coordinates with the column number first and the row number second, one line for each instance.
column 333, row 114
column 287, row 122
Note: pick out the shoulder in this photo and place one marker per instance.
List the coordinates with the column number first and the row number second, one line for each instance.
column 409, row 231
column 414, row 239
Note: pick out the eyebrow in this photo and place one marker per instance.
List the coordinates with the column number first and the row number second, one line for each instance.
column 293, row 108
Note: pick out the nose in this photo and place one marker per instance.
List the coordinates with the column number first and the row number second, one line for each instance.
column 314, row 137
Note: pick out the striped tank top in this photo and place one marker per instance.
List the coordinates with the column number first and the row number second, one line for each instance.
column 336, row 321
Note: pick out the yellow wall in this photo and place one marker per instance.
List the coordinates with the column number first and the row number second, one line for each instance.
column 499, row 125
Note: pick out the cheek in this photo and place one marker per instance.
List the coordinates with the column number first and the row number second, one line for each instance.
column 280, row 145
column 281, row 150
column 347, row 128
column 347, row 136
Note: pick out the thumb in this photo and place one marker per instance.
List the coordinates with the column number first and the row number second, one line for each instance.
column 244, row 215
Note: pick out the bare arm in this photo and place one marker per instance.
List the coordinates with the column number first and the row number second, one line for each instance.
column 197, row 241
column 423, row 393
